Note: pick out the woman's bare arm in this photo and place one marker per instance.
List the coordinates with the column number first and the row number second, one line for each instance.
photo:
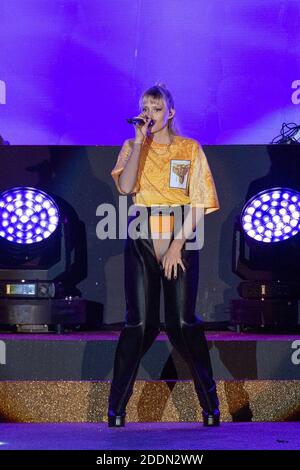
column 127, row 179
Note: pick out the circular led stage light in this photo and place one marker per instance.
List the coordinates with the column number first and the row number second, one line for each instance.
column 27, row 215
column 272, row 215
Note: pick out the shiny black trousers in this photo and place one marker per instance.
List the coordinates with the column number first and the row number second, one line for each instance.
column 144, row 276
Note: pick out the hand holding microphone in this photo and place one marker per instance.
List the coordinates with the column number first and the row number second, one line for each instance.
column 141, row 123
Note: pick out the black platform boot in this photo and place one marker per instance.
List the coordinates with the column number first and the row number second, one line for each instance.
column 133, row 344
column 190, row 341
column 116, row 421
column 211, row 418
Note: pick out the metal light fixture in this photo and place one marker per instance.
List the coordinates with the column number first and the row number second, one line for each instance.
column 289, row 134
column 272, row 215
column 266, row 247
column 36, row 287
column 27, row 215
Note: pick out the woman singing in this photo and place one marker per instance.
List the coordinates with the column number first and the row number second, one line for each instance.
column 165, row 173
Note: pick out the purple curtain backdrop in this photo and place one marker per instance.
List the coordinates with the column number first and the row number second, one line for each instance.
column 71, row 71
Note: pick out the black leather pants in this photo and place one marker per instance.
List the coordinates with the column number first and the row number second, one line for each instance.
column 143, row 277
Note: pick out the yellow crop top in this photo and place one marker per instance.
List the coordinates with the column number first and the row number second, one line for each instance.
column 170, row 174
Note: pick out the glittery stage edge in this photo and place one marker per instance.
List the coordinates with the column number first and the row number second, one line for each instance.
column 65, row 401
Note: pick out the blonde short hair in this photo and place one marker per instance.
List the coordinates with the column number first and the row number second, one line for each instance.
column 160, row 92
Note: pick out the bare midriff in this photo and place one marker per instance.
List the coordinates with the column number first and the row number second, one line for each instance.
column 161, row 231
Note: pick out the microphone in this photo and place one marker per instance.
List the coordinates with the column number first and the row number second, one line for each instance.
column 139, row 121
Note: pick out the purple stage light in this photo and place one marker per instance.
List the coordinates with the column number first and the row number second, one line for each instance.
column 27, row 215
column 272, row 215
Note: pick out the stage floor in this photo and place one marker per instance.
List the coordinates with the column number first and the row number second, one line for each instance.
column 111, row 335
column 150, row 436
column 89, row 356
column 47, row 378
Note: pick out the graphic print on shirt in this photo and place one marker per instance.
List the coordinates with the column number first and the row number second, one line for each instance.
column 179, row 172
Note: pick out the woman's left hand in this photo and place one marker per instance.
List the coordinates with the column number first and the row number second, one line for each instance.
column 171, row 259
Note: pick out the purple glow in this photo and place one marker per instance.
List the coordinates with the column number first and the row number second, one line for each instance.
column 27, row 215
column 272, row 215
column 73, row 70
